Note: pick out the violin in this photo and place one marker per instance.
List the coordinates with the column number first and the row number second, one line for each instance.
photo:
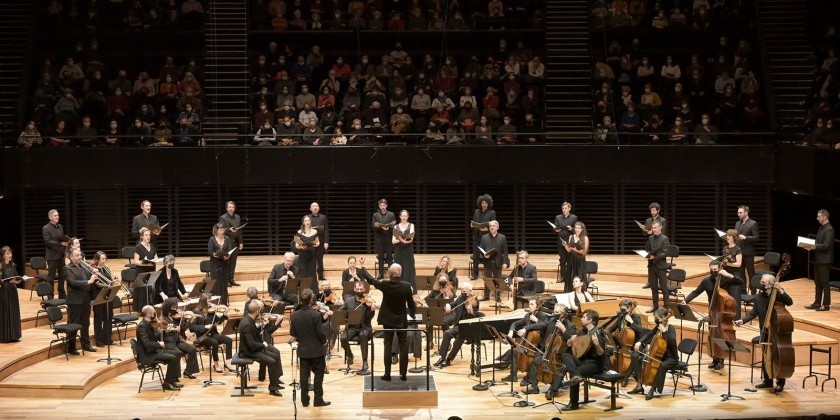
column 418, row 301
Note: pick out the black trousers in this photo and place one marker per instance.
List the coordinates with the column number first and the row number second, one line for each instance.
column 316, row 365
column 531, row 377
column 185, row 349
column 577, row 367
column 448, row 336
column 360, row 334
column 270, row 357
column 389, row 342
column 658, row 279
column 222, row 340
column 54, row 270
column 231, row 266
column 822, row 292
column 384, row 250
column 747, row 270
column 172, row 358
column 319, row 262
column 491, row 270
column 79, row 314
column 564, row 266
column 102, row 315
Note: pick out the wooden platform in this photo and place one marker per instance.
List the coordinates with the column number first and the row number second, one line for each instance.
column 82, row 388
column 398, row 394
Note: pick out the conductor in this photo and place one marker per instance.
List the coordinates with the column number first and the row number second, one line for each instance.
column 396, row 297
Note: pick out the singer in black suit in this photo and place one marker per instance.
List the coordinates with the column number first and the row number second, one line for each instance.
column 823, row 258
column 483, row 214
column 496, row 258
column 150, row 347
column 146, row 220
column 307, row 328
column 319, row 223
column 252, row 345
column 564, row 226
column 396, row 296
column 232, row 222
column 55, row 241
column 280, row 274
column 748, row 233
column 79, row 296
column 382, row 246
column 657, row 265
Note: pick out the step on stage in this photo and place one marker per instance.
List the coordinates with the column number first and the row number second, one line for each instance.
column 411, row 393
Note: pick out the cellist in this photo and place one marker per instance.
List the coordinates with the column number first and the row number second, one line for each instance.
column 518, row 329
column 548, row 329
column 627, row 318
column 669, row 359
column 759, row 310
column 729, row 282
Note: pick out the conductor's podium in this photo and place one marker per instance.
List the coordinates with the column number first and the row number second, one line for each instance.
column 411, row 393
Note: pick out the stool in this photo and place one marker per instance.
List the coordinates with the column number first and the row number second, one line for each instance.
column 242, row 369
column 612, row 378
column 755, row 340
column 812, row 373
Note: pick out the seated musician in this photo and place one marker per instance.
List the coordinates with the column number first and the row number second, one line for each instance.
column 208, row 325
column 759, row 310
column 548, row 328
column 446, row 267
column 590, row 362
column 151, row 348
column 361, row 332
column 464, row 307
column 168, row 284
column 252, row 346
column 524, row 275
column 729, row 282
column 443, row 288
column 670, row 357
column 176, row 335
column 328, row 297
column 278, row 277
column 627, row 318
column 531, row 317
column 579, row 293
column 353, row 274
column 268, row 323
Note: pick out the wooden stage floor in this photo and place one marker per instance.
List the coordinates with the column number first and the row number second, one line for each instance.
column 33, row 386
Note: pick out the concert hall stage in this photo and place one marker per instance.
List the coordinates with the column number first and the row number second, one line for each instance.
column 33, row 386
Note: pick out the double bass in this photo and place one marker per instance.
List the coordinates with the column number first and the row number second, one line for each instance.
column 721, row 314
column 653, row 358
column 778, row 353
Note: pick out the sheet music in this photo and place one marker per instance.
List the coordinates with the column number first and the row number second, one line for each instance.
column 156, row 260
column 240, row 227
column 483, row 252
column 712, row 257
column 165, row 225
column 640, row 225
column 553, row 226
column 720, row 233
column 801, row 240
column 642, row 253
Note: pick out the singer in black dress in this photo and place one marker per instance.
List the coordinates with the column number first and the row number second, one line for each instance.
column 306, row 242
column 9, row 306
column 144, row 252
column 218, row 248
column 404, row 250
column 578, row 247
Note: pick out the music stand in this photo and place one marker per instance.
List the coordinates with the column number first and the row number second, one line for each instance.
column 684, row 312
column 142, row 280
column 299, row 283
column 347, row 318
column 520, row 349
column 424, row 282
column 232, row 327
column 435, row 319
column 421, row 316
column 200, row 286
column 731, row 347
column 105, row 297
column 497, row 286
column 498, row 337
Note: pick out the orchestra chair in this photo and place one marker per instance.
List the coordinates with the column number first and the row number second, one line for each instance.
column 122, row 320
column 152, row 367
column 671, row 251
column 522, row 301
column 591, row 267
column 244, row 372
column 673, row 287
column 686, row 349
column 598, row 381
column 127, row 252
column 772, row 259
column 128, row 276
column 45, row 291
column 38, row 264
column 61, row 330
column 755, row 284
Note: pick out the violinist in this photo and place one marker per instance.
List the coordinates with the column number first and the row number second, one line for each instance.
column 443, row 288
column 669, row 360
column 268, row 323
column 177, row 333
column 549, row 328
column 446, row 267
column 328, row 298
column 591, row 362
column 362, row 332
column 252, row 346
column 627, row 314
column 150, row 347
column 169, row 282
column 728, row 282
column 464, row 307
column 759, row 310
column 353, row 274
column 524, row 275
column 280, row 274
column 102, row 314
column 208, row 325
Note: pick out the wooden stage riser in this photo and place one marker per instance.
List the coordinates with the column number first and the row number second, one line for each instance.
column 72, row 391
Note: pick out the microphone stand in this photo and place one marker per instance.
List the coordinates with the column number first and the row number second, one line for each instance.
column 294, row 384
column 700, row 329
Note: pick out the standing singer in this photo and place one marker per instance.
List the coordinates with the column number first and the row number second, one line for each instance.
column 231, row 221
column 383, row 221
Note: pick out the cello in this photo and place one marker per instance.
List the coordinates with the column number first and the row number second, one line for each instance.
column 624, row 338
column 526, row 358
column 721, row 314
column 653, row 358
column 555, row 345
column 778, row 353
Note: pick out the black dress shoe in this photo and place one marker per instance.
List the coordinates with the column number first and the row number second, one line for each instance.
column 305, row 403
column 639, row 390
column 235, row 284
column 812, row 306
column 571, row 407
column 349, row 360
column 485, row 299
column 650, row 311
column 73, row 352
column 532, row 390
column 446, row 363
column 386, row 378
column 261, row 378
column 575, row 380
column 322, row 403
column 275, row 393
column 646, row 286
column 822, row 308
column 170, row 387
column 549, row 395
column 509, row 378
column 189, row 375
column 778, row 389
column 524, row 382
column 90, row 349
column 649, row 395
column 403, row 378
column 764, row 385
